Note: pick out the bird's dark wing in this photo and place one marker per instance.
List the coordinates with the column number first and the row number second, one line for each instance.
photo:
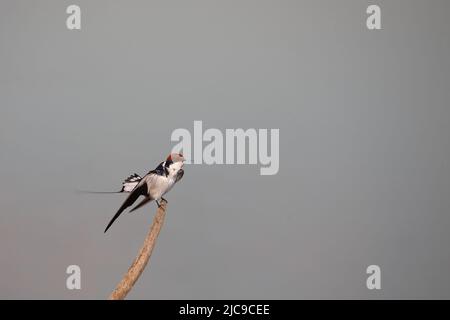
column 138, row 191
column 161, row 170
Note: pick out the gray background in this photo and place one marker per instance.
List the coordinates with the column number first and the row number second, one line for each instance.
column 364, row 147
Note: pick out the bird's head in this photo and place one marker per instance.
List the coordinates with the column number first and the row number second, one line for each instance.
column 175, row 163
column 175, row 157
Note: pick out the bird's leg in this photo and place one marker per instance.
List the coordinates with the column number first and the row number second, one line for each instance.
column 159, row 206
column 164, row 199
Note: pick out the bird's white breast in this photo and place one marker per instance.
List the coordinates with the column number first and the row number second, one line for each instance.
column 157, row 185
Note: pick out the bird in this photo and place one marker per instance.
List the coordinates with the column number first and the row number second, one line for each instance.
column 152, row 186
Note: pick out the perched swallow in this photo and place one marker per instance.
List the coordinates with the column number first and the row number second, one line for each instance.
column 153, row 185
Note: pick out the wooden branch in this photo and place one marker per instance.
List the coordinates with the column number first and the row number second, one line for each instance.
column 139, row 263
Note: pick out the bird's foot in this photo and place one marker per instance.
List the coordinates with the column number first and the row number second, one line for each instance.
column 158, row 203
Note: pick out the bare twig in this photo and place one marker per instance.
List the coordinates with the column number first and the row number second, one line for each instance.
column 139, row 263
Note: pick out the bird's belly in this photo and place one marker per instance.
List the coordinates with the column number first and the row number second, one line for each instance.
column 170, row 185
column 160, row 186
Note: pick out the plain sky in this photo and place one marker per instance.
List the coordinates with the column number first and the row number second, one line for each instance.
column 364, row 147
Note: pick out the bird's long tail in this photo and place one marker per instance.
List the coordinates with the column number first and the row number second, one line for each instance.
column 97, row 192
column 128, row 186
